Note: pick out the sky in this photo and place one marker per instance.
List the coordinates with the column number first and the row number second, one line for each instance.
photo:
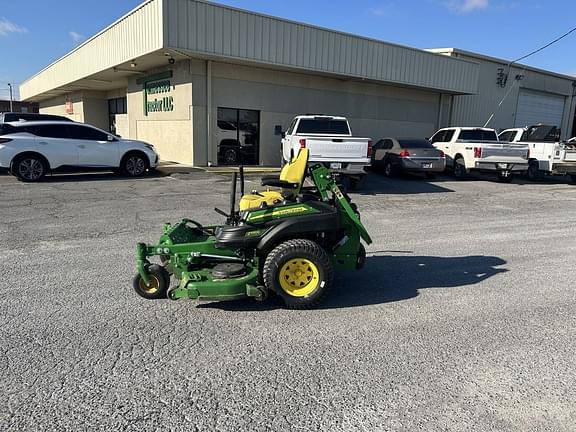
column 34, row 33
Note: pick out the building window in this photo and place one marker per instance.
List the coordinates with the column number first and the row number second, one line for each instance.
column 115, row 106
column 238, row 136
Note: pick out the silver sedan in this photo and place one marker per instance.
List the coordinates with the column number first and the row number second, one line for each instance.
column 396, row 155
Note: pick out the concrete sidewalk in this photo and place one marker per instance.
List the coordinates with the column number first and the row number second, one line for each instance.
column 169, row 168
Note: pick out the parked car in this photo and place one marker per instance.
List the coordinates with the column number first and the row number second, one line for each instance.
column 331, row 143
column 548, row 154
column 29, row 150
column 16, row 116
column 395, row 155
column 469, row 148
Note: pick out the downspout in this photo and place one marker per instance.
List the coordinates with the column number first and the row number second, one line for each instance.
column 208, row 112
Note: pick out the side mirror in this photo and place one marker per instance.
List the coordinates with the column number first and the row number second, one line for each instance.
column 110, row 138
column 283, row 135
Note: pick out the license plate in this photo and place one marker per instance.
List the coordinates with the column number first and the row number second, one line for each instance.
column 426, row 165
column 335, row 165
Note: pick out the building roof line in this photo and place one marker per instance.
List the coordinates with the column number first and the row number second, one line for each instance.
column 91, row 38
column 499, row 60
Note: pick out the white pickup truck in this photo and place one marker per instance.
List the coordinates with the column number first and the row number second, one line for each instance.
column 469, row 148
column 548, row 155
column 330, row 142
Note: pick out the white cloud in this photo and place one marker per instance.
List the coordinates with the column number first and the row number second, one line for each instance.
column 77, row 38
column 378, row 11
column 466, row 6
column 7, row 27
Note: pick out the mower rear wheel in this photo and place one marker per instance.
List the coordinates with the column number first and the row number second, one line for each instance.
column 159, row 283
column 300, row 272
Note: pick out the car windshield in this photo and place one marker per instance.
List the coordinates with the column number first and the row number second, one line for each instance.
column 478, row 135
column 541, row 133
column 414, row 143
column 323, row 126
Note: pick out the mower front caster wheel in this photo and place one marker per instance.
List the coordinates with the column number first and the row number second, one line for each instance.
column 300, row 272
column 159, row 283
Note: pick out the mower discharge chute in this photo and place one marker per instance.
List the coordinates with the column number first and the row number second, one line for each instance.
column 287, row 242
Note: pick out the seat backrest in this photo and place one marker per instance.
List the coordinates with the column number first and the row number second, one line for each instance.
column 295, row 171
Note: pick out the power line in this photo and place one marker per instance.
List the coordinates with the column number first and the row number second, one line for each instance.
column 544, row 47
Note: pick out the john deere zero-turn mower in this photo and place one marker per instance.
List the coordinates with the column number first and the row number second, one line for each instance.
column 287, row 242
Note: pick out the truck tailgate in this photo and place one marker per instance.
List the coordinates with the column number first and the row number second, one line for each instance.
column 504, row 152
column 344, row 149
column 569, row 151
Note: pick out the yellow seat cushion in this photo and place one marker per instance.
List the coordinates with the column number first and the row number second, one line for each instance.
column 292, row 172
column 252, row 201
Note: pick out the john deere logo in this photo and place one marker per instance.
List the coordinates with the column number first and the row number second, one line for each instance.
column 156, row 89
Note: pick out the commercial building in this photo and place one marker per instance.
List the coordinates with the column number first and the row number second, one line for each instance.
column 196, row 78
column 18, row 106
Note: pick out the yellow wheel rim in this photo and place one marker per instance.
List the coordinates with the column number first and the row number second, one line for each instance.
column 299, row 277
column 154, row 285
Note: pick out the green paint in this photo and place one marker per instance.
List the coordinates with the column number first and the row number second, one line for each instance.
column 281, row 212
column 158, row 84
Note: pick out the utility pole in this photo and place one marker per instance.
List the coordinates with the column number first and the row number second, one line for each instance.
column 11, row 103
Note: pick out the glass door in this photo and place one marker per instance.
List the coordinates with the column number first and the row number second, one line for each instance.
column 238, row 136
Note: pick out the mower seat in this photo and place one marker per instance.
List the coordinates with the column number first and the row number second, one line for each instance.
column 290, row 181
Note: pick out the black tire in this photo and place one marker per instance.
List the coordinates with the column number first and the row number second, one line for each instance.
column 533, row 172
column 357, row 183
column 29, row 168
column 389, row 169
column 306, row 285
column 361, row 258
column 134, row 164
column 160, row 282
column 460, row 169
column 230, row 156
column 430, row 175
column 505, row 178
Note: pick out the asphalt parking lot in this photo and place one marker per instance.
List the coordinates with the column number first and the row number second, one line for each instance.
column 463, row 319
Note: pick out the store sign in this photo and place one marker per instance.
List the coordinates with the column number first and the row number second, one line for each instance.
column 156, row 90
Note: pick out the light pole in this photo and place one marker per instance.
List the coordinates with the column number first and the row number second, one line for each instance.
column 11, row 103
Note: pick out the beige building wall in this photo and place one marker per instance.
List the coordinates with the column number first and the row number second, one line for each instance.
column 374, row 110
column 57, row 106
column 169, row 132
column 181, row 135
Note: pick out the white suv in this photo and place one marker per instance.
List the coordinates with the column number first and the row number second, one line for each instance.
column 31, row 149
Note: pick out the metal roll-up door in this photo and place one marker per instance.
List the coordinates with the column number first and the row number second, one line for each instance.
column 536, row 107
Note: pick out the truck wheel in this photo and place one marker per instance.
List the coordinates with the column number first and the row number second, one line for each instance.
column 505, row 176
column 361, row 258
column 460, row 169
column 159, row 283
column 533, row 172
column 300, row 272
column 357, row 183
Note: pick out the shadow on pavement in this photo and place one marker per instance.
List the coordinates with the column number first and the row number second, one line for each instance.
column 95, row 176
column 390, row 278
column 406, row 184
